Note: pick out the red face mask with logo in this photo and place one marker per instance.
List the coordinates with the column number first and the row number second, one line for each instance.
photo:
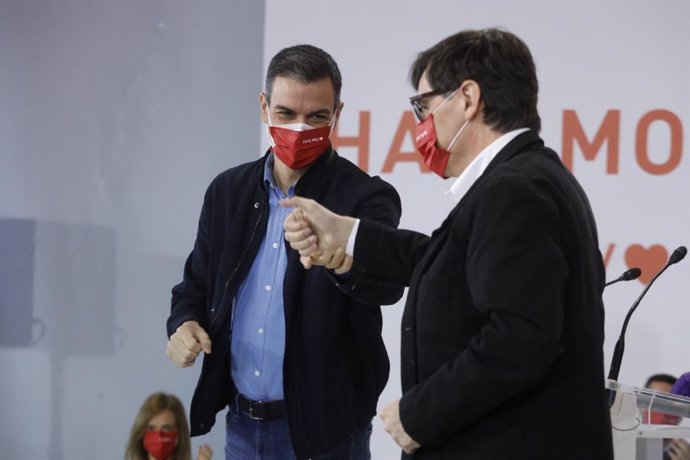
column 297, row 144
column 435, row 157
column 160, row 444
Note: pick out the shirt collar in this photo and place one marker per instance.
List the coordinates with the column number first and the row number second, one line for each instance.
column 268, row 172
column 477, row 167
column 269, row 180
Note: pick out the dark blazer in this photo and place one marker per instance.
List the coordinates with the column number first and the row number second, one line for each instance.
column 335, row 363
column 503, row 328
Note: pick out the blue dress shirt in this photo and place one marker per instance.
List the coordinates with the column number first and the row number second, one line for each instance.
column 258, row 330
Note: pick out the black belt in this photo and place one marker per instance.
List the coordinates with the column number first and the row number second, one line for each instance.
column 260, row 410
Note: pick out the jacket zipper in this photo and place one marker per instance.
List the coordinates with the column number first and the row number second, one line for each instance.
column 259, row 205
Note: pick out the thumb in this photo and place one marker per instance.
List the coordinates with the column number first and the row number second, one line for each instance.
column 295, row 202
column 204, row 340
column 307, row 262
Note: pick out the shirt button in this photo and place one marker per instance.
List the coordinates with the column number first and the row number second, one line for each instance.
column 268, row 287
column 275, row 245
column 257, row 373
column 260, row 330
column 256, row 205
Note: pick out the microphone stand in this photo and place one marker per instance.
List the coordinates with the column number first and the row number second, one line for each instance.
column 617, row 358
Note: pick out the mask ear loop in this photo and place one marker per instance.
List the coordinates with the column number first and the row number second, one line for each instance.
column 268, row 129
column 333, row 123
column 462, row 128
column 445, row 101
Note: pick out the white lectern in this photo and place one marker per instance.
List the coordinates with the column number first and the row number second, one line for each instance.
column 633, row 439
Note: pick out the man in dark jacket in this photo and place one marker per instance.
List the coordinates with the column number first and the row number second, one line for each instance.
column 297, row 356
column 503, row 327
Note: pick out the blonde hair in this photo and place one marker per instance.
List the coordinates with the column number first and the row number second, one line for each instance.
column 154, row 405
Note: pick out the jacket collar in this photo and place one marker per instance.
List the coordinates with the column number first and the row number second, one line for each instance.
column 317, row 176
column 515, row 147
column 523, row 142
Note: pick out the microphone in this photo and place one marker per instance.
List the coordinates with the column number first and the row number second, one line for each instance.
column 628, row 275
column 676, row 257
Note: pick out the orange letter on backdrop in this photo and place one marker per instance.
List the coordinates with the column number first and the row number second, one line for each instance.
column 361, row 141
column 407, row 126
column 641, row 146
column 608, row 131
column 609, row 253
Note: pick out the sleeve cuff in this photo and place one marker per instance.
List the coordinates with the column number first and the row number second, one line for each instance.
column 350, row 248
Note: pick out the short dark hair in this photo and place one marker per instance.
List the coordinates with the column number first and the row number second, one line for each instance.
column 499, row 62
column 666, row 378
column 306, row 64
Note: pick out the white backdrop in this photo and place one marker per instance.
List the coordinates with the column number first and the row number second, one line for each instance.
column 593, row 58
column 114, row 116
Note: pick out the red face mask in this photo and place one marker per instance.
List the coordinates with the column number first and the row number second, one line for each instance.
column 659, row 418
column 435, row 157
column 160, row 444
column 299, row 145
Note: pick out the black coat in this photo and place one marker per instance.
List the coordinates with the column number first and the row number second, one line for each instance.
column 503, row 328
column 335, row 363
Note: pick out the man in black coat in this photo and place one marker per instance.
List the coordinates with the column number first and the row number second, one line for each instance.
column 297, row 356
column 503, row 327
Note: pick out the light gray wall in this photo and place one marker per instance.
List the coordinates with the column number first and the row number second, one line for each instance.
column 114, row 117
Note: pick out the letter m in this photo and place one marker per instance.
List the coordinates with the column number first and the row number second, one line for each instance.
column 609, row 132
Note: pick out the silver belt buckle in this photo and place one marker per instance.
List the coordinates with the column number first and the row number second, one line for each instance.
column 251, row 411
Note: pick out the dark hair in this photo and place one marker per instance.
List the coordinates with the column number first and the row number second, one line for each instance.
column 499, row 62
column 666, row 378
column 306, row 64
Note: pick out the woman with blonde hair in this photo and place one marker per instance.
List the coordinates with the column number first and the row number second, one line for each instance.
column 160, row 432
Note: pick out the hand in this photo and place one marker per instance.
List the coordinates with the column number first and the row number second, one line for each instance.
column 344, row 266
column 393, row 426
column 187, row 342
column 679, row 450
column 205, row 452
column 315, row 232
column 336, row 260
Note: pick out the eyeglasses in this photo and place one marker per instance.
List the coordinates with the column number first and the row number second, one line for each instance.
column 416, row 102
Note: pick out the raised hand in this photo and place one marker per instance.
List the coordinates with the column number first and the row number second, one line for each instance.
column 319, row 235
column 205, row 452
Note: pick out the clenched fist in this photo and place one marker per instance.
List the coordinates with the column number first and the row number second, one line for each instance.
column 187, row 342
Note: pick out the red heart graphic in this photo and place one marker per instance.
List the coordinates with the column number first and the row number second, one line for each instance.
column 649, row 260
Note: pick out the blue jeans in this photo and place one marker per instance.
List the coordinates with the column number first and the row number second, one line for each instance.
column 249, row 439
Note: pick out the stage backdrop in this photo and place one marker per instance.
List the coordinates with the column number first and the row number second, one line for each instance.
column 114, row 116
column 614, row 102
